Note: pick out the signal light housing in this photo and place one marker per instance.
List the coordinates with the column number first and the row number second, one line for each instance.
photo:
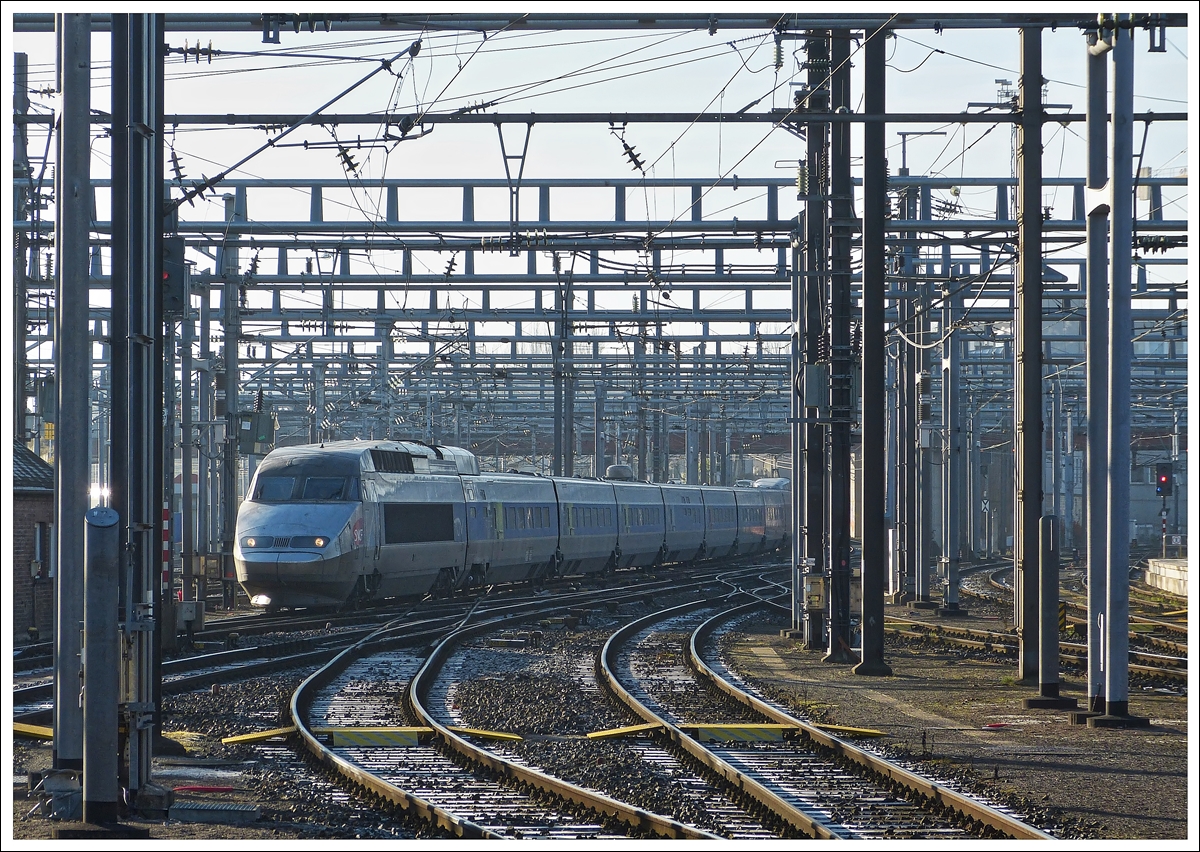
column 1164, row 480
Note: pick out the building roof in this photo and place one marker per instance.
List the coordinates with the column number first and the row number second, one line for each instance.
column 30, row 472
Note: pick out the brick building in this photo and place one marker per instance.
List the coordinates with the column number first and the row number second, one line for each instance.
column 33, row 514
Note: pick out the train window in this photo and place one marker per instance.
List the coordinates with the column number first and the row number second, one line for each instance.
column 274, row 489
column 409, row 523
column 324, row 488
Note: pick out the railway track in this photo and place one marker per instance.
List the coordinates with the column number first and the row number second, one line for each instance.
column 495, row 783
column 477, row 793
column 1149, row 636
column 817, row 784
column 260, row 643
column 408, row 674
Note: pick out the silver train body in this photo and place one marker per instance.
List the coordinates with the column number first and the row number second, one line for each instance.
column 329, row 524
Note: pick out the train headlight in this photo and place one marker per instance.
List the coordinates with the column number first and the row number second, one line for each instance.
column 309, row 541
column 253, row 541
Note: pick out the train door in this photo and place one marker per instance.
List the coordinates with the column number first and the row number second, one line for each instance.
column 372, row 519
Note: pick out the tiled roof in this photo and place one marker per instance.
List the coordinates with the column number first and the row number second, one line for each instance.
column 30, row 472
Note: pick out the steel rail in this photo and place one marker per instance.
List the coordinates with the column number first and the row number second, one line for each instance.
column 301, row 702
column 606, row 663
column 964, row 805
column 390, row 637
column 417, row 691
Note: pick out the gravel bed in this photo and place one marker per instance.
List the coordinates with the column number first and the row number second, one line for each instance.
column 549, row 696
column 658, row 662
column 295, row 798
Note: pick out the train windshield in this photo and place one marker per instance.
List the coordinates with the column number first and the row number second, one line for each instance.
column 306, row 482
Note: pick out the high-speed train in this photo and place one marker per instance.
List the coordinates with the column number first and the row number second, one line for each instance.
column 335, row 523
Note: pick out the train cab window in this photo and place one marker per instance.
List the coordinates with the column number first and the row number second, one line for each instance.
column 306, row 479
column 274, row 489
column 324, row 488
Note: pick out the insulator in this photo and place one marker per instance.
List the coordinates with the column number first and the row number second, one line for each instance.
column 802, row 181
column 926, row 383
column 823, row 348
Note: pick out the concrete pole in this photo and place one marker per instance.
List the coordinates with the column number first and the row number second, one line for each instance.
column 73, row 371
column 568, row 440
column 1029, row 353
column 874, row 358
column 1068, row 522
column 1097, row 370
column 1048, row 696
column 816, row 47
column 102, row 667
column 1056, row 437
column 318, row 429
column 137, row 366
column 187, row 507
column 556, row 466
column 206, row 485
column 796, row 410
column 923, row 493
column 231, row 324
column 693, row 445
column 891, row 406
column 974, row 499
column 905, row 511
column 22, row 207
column 953, row 492
column 840, row 392
column 598, row 449
column 1120, row 332
column 1176, row 458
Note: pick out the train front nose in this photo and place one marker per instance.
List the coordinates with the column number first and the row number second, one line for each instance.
column 281, row 562
column 290, row 579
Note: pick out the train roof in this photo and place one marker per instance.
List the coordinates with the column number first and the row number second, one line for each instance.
column 464, row 461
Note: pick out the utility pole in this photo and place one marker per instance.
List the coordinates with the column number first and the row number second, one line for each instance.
column 874, row 358
column 231, row 297
column 73, row 378
column 816, row 46
column 841, row 404
column 1029, row 354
